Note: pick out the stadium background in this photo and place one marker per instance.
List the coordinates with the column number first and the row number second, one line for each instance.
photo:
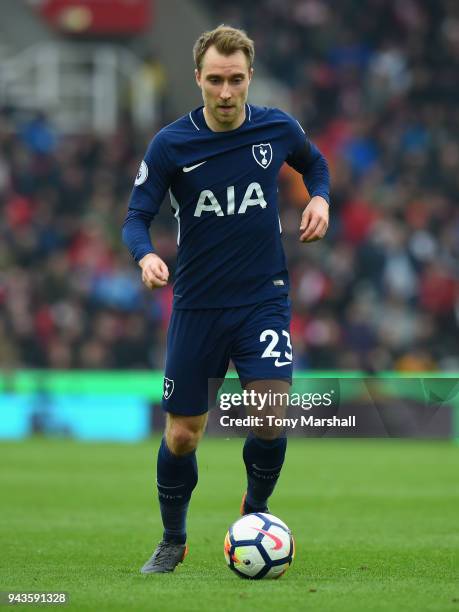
column 84, row 84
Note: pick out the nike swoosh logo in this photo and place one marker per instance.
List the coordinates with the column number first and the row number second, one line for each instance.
column 278, row 363
column 277, row 541
column 190, row 168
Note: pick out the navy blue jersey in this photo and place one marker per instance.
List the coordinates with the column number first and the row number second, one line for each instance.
column 223, row 191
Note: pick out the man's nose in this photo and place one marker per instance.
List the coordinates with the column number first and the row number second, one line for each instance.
column 225, row 93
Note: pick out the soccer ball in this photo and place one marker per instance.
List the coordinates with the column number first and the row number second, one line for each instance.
column 259, row 545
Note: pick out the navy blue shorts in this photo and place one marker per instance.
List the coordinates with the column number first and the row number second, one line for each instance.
column 200, row 344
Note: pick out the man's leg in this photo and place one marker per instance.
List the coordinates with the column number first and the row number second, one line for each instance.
column 265, row 446
column 177, row 476
column 177, row 472
column 198, row 347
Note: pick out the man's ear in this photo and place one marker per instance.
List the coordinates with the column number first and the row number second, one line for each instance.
column 250, row 74
column 197, row 76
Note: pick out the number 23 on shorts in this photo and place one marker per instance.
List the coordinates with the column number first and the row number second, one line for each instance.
column 272, row 338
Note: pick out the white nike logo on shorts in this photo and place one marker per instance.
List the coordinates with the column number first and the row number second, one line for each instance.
column 278, row 363
column 190, row 168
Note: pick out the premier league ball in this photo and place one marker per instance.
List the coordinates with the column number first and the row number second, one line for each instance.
column 258, row 546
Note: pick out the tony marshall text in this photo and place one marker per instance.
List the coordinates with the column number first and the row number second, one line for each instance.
column 291, row 423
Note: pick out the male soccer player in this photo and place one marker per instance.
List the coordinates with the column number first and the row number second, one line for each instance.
column 220, row 164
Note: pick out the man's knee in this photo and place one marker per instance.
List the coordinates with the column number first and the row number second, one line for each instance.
column 272, row 410
column 269, row 433
column 181, row 440
column 183, row 433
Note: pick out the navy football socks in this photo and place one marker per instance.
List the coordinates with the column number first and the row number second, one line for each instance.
column 263, row 461
column 176, row 479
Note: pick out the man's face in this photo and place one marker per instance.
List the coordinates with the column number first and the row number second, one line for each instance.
column 224, row 81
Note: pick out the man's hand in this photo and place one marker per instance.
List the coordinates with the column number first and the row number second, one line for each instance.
column 314, row 220
column 154, row 271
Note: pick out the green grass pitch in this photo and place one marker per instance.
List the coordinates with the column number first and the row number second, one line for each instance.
column 376, row 525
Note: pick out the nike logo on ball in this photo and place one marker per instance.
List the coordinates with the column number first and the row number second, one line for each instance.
column 277, row 541
column 190, row 168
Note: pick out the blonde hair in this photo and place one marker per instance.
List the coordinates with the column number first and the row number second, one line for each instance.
column 227, row 40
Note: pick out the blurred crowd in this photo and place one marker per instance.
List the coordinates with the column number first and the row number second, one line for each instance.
column 374, row 84
column 70, row 295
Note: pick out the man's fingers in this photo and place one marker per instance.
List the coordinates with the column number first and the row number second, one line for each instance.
column 314, row 220
column 310, row 229
column 150, row 277
column 154, row 278
column 160, row 271
column 315, row 231
column 154, row 283
column 164, row 271
column 305, row 220
column 155, row 273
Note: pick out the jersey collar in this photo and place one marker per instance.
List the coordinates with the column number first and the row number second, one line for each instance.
column 196, row 117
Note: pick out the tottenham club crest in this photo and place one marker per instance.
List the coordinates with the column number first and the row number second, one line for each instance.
column 263, row 154
column 168, row 387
